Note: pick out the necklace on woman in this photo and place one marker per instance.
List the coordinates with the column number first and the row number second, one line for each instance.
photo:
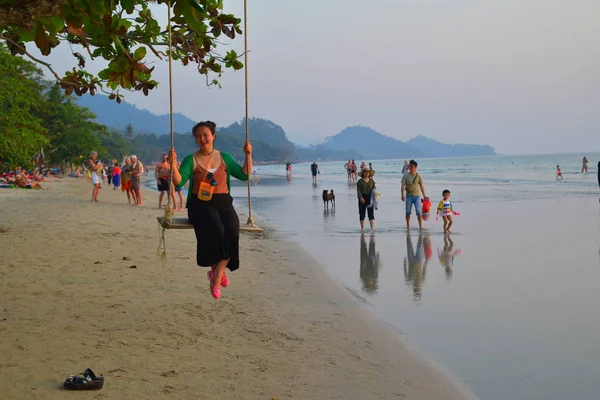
column 209, row 153
column 204, row 158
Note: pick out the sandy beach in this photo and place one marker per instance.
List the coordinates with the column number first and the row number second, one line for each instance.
column 70, row 299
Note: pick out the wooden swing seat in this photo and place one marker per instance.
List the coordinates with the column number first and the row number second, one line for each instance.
column 184, row 223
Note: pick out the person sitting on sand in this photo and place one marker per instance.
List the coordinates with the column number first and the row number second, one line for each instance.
column 210, row 205
column 558, row 173
column 23, row 182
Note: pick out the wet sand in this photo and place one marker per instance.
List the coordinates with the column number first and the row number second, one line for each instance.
column 507, row 302
column 70, row 300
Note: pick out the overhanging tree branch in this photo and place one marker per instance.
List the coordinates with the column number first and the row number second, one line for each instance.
column 120, row 32
column 37, row 60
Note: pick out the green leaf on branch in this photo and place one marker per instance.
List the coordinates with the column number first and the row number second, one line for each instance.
column 124, row 23
column 195, row 4
column 139, row 53
column 104, row 74
column 28, row 36
column 128, row 6
column 53, row 24
column 191, row 19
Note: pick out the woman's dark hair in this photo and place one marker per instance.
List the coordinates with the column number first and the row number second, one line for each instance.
column 209, row 124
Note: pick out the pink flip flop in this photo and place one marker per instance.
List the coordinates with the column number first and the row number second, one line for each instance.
column 216, row 293
column 224, row 280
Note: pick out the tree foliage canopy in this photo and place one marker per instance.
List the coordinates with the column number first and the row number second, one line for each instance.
column 71, row 131
column 35, row 115
column 122, row 32
column 21, row 130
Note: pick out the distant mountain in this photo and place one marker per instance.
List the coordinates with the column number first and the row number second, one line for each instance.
column 271, row 143
column 261, row 130
column 269, row 140
column 320, row 153
column 114, row 115
column 372, row 144
column 433, row 148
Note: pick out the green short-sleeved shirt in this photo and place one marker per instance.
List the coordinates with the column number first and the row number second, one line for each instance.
column 186, row 170
column 412, row 183
column 364, row 188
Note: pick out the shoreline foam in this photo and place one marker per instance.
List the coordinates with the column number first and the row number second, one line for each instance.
column 282, row 330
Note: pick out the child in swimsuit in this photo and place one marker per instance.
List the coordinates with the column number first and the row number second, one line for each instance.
column 558, row 173
column 445, row 210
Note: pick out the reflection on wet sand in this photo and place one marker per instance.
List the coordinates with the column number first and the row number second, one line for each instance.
column 415, row 263
column 369, row 265
column 446, row 255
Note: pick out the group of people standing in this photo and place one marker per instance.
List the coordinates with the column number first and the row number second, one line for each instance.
column 411, row 188
column 127, row 176
column 351, row 170
column 412, row 191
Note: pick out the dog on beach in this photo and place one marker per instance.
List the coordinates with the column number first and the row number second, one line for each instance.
column 328, row 197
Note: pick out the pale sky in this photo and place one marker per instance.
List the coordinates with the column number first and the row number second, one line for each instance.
column 520, row 75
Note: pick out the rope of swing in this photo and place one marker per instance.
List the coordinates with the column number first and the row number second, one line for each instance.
column 162, row 246
column 250, row 220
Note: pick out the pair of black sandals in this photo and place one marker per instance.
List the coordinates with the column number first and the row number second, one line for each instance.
column 87, row 380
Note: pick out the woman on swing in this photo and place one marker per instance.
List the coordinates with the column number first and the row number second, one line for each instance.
column 209, row 204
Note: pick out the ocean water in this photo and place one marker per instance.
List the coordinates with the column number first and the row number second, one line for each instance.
column 507, row 303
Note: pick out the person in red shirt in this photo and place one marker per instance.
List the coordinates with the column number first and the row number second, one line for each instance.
column 116, row 176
